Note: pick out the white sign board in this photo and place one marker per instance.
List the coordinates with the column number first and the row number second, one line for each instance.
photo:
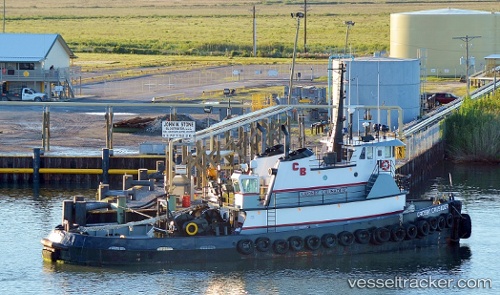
column 178, row 129
column 181, row 169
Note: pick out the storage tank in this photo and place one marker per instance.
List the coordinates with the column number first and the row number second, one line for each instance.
column 430, row 34
column 378, row 81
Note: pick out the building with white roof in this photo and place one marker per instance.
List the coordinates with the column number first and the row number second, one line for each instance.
column 38, row 61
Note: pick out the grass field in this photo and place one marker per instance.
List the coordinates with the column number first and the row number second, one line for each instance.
column 212, row 27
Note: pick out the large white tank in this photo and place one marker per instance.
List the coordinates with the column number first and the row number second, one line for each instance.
column 430, row 35
column 378, row 81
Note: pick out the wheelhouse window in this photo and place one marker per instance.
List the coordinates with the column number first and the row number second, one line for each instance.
column 247, row 185
column 388, row 151
column 26, row 66
column 362, row 155
column 369, row 152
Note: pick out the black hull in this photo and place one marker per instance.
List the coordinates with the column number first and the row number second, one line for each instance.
column 99, row 257
column 331, row 240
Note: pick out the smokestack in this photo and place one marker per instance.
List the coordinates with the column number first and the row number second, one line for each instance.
column 287, row 140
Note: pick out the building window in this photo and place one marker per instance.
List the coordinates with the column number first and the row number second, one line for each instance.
column 26, row 66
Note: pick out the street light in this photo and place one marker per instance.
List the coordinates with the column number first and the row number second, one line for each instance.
column 348, row 24
column 227, row 94
column 298, row 16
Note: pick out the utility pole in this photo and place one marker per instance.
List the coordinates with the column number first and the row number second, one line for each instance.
column 254, row 34
column 305, row 26
column 4, row 16
column 466, row 39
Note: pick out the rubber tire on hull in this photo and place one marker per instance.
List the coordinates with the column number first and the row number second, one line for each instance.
column 465, row 229
column 263, row 244
column 411, row 231
column 433, row 223
column 296, row 243
column 281, row 246
column 329, row 240
column 362, row 236
column 381, row 235
column 398, row 233
column 423, row 228
column 441, row 223
column 345, row 238
column 449, row 220
column 245, row 246
column 312, row 242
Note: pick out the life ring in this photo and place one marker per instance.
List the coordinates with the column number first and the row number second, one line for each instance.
column 381, row 235
column 329, row 240
column 362, row 236
column 433, row 223
column 263, row 244
column 296, row 243
column 385, row 165
column 423, row 227
column 281, row 246
column 398, row 233
column 411, row 231
column 345, row 238
column 441, row 223
column 245, row 246
column 191, row 228
column 313, row 242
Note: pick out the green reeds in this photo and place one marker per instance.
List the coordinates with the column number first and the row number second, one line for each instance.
column 473, row 132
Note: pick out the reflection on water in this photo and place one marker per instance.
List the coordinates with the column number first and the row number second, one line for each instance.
column 301, row 276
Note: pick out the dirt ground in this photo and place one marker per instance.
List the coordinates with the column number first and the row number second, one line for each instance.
column 85, row 133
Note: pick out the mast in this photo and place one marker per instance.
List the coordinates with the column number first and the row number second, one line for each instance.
column 338, row 139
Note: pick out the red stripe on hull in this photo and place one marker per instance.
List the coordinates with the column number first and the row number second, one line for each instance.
column 318, row 187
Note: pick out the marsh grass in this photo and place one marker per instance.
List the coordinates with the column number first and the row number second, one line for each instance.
column 215, row 27
column 472, row 132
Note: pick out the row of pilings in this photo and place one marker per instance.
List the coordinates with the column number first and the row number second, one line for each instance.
column 80, row 169
column 40, row 169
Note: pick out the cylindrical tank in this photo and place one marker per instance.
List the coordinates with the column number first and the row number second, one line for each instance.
column 439, row 37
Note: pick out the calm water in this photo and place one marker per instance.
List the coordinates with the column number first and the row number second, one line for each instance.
column 26, row 218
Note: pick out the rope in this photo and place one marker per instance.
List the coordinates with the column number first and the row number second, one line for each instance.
column 117, row 226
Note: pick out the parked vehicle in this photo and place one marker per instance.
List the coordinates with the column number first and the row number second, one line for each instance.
column 26, row 94
column 440, row 98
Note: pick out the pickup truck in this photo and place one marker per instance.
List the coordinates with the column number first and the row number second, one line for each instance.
column 26, row 94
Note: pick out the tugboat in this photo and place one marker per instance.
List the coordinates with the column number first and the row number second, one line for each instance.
column 287, row 204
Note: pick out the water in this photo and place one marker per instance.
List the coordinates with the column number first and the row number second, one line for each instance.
column 26, row 218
